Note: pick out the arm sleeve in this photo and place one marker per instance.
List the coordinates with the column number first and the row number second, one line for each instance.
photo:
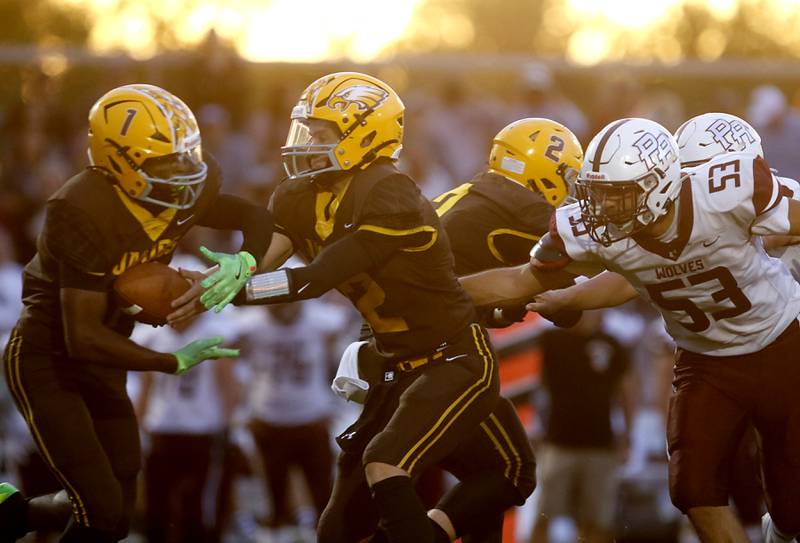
column 279, row 210
column 230, row 212
column 346, row 258
column 73, row 240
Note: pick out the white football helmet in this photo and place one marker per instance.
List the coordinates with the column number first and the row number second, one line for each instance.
column 629, row 178
column 705, row 136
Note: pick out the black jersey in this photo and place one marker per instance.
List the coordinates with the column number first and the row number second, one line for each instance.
column 413, row 302
column 492, row 222
column 92, row 233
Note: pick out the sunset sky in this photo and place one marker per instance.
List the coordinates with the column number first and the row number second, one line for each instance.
column 315, row 30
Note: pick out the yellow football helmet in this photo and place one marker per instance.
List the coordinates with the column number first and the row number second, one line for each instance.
column 148, row 140
column 540, row 154
column 367, row 114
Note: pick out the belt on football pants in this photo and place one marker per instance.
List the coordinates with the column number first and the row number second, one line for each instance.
column 415, row 363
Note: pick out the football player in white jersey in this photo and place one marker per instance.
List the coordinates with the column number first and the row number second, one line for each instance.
column 706, row 136
column 700, row 139
column 689, row 244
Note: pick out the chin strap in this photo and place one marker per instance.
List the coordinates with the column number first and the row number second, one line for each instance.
column 372, row 154
column 122, row 151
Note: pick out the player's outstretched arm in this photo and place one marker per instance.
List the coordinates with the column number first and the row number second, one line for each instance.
column 510, row 286
column 255, row 222
column 336, row 264
column 188, row 305
column 607, row 289
column 794, row 217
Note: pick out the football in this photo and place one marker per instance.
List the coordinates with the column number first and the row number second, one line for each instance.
column 145, row 291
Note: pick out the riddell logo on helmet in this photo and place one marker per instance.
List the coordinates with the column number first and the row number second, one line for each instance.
column 595, row 176
column 363, row 97
column 732, row 135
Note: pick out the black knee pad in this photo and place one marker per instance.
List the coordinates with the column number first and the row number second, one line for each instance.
column 475, row 504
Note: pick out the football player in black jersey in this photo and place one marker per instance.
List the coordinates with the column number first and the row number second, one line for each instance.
column 494, row 220
column 67, row 358
column 365, row 229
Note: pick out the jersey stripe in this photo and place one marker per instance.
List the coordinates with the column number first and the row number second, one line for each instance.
column 765, row 197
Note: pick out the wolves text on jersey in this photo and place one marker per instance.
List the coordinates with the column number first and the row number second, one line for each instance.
column 666, row 272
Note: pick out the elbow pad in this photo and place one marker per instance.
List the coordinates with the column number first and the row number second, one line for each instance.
column 549, row 254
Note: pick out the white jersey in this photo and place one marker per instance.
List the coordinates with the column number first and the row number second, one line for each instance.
column 190, row 403
column 291, row 364
column 789, row 254
column 719, row 293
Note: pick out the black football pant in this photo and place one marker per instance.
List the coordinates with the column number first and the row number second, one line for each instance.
column 85, row 428
column 447, row 413
column 351, row 514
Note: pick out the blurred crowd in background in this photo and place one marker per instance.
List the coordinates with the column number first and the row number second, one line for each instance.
column 266, row 412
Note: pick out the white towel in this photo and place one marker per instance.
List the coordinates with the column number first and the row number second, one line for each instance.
column 347, row 382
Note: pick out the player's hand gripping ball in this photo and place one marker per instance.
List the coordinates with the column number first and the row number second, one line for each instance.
column 146, row 291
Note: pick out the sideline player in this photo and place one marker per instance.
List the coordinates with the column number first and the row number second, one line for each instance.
column 366, row 229
column 68, row 355
column 690, row 246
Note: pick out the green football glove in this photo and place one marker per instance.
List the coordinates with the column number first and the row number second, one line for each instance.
column 225, row 283
column 199, row 350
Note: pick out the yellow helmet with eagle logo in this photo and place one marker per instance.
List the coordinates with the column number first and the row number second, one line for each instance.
column 540, row 154
column 149, row 141
column 367, row 115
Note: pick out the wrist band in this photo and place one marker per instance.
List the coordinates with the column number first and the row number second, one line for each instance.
column 268, row 285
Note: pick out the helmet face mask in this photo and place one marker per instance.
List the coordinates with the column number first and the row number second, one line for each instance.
column 149, row 141
column 342, row 121
column 175, row 180
column 310, row 148
column 615, row 210
column 630, row 180
column 539, row 154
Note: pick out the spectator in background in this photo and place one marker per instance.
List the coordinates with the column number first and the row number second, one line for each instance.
column 540, row 97
column 582, row 375
column 235, row 153
column 186, row 419
column 779, row 127
column 422, row 153
column 661, row 105
column 615, row 95
column 458, row 125
column 10, row 285
column 292, row 355
column 217, row 60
